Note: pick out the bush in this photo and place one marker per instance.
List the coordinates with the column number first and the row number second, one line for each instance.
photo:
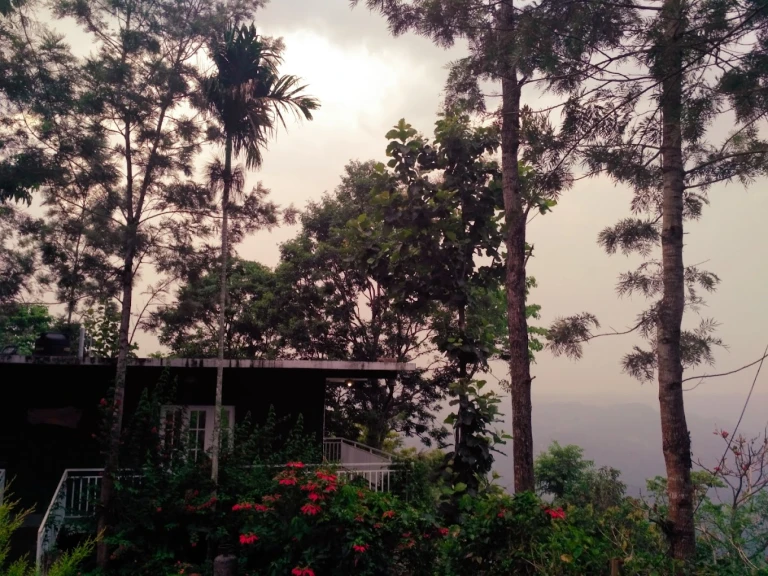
column 11, row 519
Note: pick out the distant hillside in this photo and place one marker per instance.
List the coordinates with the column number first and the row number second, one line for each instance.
column 626, row 435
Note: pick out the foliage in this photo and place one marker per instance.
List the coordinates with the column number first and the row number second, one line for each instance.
column 466, row 467
column 174, row 513
column 17, row 259
column 102, row 331
column 311, row 521
column 21, row 324
column 562, row 472
column 247, row 95
column 189, row 327
column 11, row 519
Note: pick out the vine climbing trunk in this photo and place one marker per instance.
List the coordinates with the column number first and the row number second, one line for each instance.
column 519, row 359
column 227, row 184
column 676, row 441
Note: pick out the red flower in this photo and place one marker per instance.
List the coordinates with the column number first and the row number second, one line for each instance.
column 724, row 434
column 376, row 526
column 389, row 514
column 425, row 536
column 310, row 509
column 236, row 507
column 193, row 544
column 261, row 508
column 331, row 488
column 407, row 535
column 443, row 531
column 288, row 481
column 360, row 494
column 360, row 548
column 311, row 487
column 556, row 514
column 154, row 430
column 249, row 538
column 273, row 498
column 306, row 571
column 327, row 477
column 314, row 497
column 359, row 518
column 103, row 401
column 502, row 512
column 294, row 465
column 159, row 509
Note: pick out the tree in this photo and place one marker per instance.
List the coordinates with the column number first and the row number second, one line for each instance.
column 549, row 44
column 650, row 131
column 190, row 327
column 135, row 91
column 248, row 98
column 336, row 309
column 21, row 324
column 561, row 469
column 440, row 207
column 563, row 473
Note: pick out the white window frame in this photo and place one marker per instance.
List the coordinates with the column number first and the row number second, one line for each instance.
column 209, row 413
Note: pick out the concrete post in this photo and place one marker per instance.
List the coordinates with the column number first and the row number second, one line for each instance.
column 225, row 565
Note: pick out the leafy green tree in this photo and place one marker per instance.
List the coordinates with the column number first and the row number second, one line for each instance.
column 543, row 44
column 21, row 324
column 248, row 98
column 439, row 206
column 561, row 469
column 562, row 473
column 102, row 328
column 190, row 327
column 335, row 309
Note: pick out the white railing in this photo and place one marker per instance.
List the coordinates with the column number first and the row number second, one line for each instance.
column 348, row 452
column 378, row 476
column 2, row 484
column 75, row 498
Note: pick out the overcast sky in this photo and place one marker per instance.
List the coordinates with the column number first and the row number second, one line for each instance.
column 366, row 81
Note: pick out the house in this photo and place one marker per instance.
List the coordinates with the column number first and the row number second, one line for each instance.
column 49, row 417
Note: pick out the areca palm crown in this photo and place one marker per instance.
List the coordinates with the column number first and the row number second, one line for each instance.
column 250, row 100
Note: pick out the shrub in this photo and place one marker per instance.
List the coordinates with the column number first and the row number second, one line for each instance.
column 11, row 519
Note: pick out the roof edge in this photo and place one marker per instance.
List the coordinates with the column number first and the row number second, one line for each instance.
column 330, row 365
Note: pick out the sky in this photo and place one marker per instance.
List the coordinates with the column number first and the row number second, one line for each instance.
column 366, row 80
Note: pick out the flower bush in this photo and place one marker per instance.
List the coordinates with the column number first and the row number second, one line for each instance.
column 312, row 523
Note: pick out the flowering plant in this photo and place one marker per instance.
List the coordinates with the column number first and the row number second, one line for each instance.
column 314, row 523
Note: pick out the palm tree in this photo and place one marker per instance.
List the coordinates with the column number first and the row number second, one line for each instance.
column 250, row 100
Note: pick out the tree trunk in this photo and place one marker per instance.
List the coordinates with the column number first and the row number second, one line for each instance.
column 113, row 449
column 215, row 448
column 674, row 430
column 519, row 361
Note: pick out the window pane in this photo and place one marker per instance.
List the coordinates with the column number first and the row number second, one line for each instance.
column 193, row 419
column 201, row 419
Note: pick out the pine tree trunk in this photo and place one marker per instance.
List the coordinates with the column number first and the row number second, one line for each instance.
column 675, row 437
column 113, row 455
column 519, row 362
column 215, row 448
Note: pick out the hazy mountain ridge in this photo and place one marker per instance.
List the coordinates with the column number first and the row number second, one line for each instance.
column 626, row 436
